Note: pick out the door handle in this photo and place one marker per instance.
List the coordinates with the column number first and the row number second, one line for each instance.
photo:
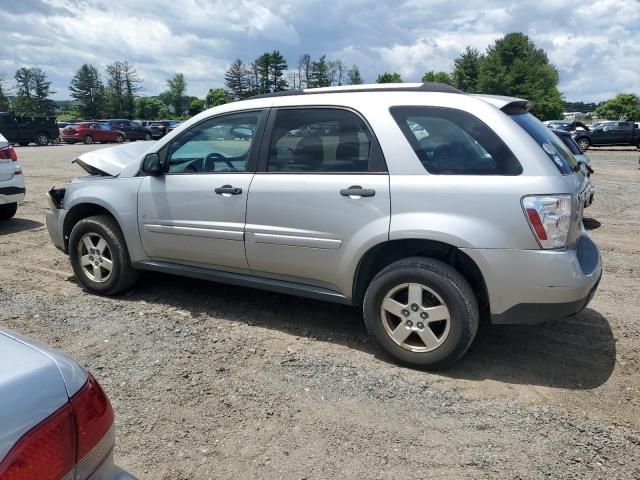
column 357, row 191
column 228, row 190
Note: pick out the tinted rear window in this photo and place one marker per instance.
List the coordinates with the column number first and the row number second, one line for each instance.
column 557, row 151
column 453, row 142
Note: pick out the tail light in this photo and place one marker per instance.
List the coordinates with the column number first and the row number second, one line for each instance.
column 550, row 218
column 9, row 153
column 69, row 445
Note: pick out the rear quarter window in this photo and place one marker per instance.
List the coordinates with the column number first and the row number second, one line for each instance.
column 453, row 142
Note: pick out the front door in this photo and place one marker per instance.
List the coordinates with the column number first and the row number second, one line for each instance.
column 195, row 213
column 320, row 196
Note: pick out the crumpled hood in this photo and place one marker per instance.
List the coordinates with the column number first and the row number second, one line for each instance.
column 113, row 160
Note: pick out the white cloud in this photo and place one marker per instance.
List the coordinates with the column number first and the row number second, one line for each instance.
column 594, row 43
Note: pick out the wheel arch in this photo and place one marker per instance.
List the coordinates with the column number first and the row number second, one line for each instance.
column 385, row 253
column 79, row 212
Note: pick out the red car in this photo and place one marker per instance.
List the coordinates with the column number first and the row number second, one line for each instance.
column 90, row 132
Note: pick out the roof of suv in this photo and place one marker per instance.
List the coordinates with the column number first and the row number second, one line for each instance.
column 374, row 87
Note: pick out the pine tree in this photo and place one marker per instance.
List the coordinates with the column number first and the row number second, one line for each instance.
column 236, row 80
column 87, row 88
column 353, row 76
column 466, row 70
column 278, row 65
column 319, row 73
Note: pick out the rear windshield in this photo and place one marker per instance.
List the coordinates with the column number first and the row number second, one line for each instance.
column 557, row 151
column 570, row 144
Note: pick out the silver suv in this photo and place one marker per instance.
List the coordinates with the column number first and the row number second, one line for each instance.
column 428, row 207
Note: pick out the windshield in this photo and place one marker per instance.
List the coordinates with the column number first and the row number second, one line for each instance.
column 557, row 151
column 571, row 144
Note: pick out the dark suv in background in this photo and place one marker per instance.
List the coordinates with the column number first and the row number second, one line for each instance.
column 132, row 130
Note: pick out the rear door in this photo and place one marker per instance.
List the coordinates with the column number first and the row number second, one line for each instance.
column 195, row 213
column 624, row 133
column 320, row 195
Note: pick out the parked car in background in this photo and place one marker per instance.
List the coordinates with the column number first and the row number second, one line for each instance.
column 172, row 127
column 609, row 134
column 26, row 130
column 478, row 213
column 566, row 125
column 583, row 160
column 11, row 182
column 91, row 132
column 160, row 128
column 57, row 422
column 132, row 130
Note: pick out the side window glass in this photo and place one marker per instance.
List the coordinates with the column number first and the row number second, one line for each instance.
column 320, row 140
column 453, row 142
column 220, row 144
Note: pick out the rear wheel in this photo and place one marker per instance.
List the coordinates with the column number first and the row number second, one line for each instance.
column 88, row 139
column 8, row 210
column 421, row 312
column 120, row 139
column 147, row 136
column 583, row 144
column 42, row 139
column 99, row 256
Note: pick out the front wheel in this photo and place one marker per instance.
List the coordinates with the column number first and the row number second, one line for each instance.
column 88, row 140
column 421, row 312
column 99, row 256
column 119, row 139
column 583, row 144
column 8, row 210
column 147, row 137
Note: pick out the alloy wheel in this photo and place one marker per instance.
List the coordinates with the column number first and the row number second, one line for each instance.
column 95, row 257
column 415, row 317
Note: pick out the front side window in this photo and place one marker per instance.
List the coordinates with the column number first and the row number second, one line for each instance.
column 453, row 142
column 319, row 140
column 220, row 144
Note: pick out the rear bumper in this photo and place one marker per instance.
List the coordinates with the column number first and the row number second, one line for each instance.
column 54, row 219
column 110, row 471
column 12, row 190
column 535, row 286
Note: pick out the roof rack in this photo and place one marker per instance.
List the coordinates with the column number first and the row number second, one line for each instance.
column 374, row 87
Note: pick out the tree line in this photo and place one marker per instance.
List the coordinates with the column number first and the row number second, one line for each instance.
column 512, row 65
column 270, row 73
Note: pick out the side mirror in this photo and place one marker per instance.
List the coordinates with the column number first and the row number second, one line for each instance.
column 152, row 165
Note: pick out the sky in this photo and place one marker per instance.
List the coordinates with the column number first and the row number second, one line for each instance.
column 594, row 44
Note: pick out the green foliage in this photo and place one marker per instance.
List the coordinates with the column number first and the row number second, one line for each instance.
column 72, row 114
column 33, row 91
column 438, row 77
column 87, row 88
column 176, row 93
column 353, row 76
column 466, row 70
column 581, row 106
column 122, row 84
column 514, row 66
column 319, row 73
column 4, row 101
column 236, row 80
column 387, row 77
column 150, row 108
column 196, row 106
column 216, row 96
column 624, row 106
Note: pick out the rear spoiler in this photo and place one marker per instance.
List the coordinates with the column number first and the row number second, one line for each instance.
column 517, row 106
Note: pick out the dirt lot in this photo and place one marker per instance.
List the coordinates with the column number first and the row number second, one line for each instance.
column 213, row 381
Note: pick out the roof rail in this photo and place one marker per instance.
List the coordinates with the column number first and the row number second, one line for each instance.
column 374, row 87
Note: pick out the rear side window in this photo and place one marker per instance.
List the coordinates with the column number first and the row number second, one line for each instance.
column 453, row 142
column 550, row 143
column 322, row 140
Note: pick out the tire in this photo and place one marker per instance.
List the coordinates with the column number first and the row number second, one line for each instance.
column 583, row 144
column 147, row 137
column 111, row 282
column 120, row 139
column 88, row 140
column 439, row 286
column 42, row 139
column 8, row 210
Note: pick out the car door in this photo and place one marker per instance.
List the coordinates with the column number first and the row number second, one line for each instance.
column 195, row 213
column 319, row 198
column 624, row 133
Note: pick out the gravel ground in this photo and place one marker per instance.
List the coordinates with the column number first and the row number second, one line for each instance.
column 214, row 381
